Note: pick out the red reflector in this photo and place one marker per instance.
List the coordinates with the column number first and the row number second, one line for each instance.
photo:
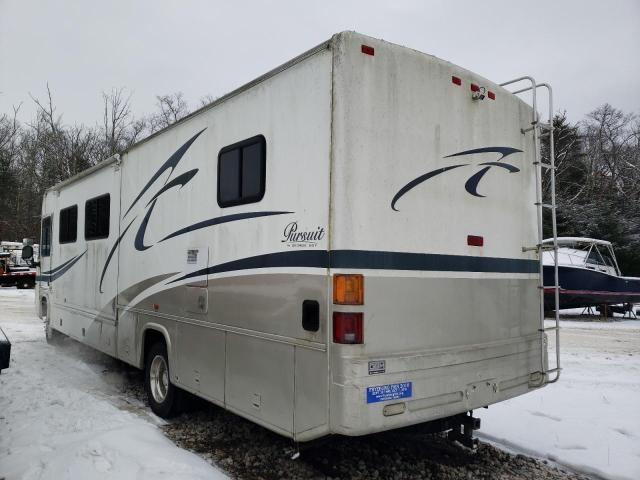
column 475, row 88
column 367, row 49
column 347, row 327
column 456, row 80
column 475, row 240
column 491, row 95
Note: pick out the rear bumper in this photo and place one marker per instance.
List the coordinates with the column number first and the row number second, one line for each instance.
column 443, row 383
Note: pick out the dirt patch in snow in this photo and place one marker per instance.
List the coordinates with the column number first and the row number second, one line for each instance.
column 245, row 450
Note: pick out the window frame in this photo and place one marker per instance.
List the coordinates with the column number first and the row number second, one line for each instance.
column 50, row 245
column 86, row 223
column 243, row 200
column 75, row 237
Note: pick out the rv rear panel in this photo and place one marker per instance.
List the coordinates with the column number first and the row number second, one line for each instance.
column 418, row 169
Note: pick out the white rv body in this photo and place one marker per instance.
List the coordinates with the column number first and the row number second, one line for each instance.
column 448, row 327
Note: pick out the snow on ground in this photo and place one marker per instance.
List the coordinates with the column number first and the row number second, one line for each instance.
column 58, row 420
column 590, row 419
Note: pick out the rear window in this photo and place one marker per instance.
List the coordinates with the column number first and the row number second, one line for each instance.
column 241, row 172
column 96, row 217
column 68, row 225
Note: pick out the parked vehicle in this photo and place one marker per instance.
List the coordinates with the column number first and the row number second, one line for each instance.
column 339, row 246
column 588, row 275
column 15, row 276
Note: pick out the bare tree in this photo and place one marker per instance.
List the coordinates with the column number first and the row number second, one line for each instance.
column 116, row 120
column 206, row 100
column 611, row 137
column 10, row 130
column 171, row 108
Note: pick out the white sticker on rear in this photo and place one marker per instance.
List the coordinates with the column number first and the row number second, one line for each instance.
column 377, row 366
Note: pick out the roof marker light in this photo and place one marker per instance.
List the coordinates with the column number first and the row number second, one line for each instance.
column 475, row 88
column 366, row 49
column 456, row 80
column 491, row 95
column 475, row 240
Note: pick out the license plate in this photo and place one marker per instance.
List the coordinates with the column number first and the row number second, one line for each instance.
column 393, row 391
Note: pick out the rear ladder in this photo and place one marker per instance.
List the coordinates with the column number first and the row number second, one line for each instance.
column 540, row 130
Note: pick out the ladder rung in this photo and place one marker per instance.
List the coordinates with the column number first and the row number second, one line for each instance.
column 548, row 329
column 545, row 205
column 544, row 126
column 553, row 370
column 539, row 246
column 545, row 165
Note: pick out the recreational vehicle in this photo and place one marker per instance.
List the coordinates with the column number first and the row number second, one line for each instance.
column 348, row 244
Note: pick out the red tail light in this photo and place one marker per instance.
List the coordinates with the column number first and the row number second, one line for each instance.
column 475, row 240
column 347, row 327
column 475, row 88
column 456, row 80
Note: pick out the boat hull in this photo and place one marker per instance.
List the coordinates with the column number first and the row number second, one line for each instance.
column 583, row 287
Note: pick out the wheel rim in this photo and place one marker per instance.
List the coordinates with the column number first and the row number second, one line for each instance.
column 159, row 378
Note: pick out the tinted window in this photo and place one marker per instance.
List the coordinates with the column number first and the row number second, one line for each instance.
column 241, row 172
column 96, row 218
column 45, row 240
column 252, row 170
column 68, row 224
column 229, row 174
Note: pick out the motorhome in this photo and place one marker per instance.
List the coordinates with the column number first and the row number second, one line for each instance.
column 348, row 244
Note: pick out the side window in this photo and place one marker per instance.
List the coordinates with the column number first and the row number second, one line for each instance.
column 241, row 172
column 68, row 224
column 96, row 217
column 45, row 240
column 594, row 257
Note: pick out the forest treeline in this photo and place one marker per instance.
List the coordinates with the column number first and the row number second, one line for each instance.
column 598, row 181
column 597, row 176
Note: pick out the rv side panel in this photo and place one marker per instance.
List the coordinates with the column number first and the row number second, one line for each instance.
column 216, row 276
column 86, row 211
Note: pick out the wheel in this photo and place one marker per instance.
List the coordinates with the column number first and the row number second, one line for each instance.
column 161, row 393
column 24, row 284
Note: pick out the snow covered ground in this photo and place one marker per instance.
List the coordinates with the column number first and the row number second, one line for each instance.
column 58, row 420
column 590, row 419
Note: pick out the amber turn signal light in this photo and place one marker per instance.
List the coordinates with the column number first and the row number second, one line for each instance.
column 348, row 289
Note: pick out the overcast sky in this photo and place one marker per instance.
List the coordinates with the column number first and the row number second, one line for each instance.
column 589, row 50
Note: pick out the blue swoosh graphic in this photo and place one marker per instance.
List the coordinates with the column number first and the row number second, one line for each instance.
column 171, row 163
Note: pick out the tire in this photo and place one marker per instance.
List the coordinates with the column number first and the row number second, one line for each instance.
column 23, row 285
column 162, row 395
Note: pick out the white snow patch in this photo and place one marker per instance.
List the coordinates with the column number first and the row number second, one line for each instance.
column 59, row 418
column 589, row 419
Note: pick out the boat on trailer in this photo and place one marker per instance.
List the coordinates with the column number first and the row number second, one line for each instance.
column 588, row 275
